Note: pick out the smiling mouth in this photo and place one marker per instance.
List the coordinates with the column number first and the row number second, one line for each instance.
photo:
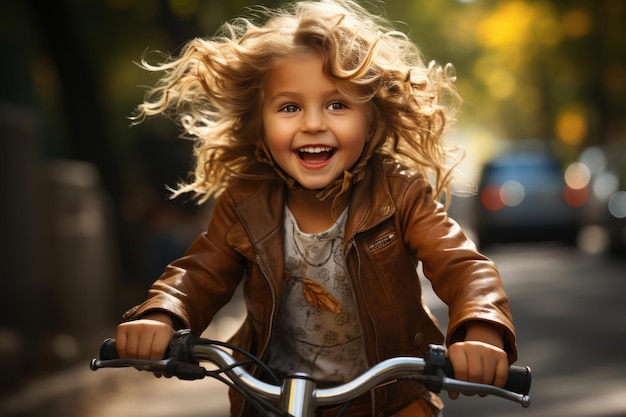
column 315, row 154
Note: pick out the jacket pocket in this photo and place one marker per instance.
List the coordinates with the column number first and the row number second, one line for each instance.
column 382, row 241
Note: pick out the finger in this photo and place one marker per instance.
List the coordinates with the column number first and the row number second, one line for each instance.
column 144, row 346
column 160, row 343
column 484, row 372
column 132, row 345
column 502, row 372
column 458, row 359
column 475, row 366
column 121, row 342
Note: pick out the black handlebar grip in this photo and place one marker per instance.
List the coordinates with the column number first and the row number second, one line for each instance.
column 108, row 350
column 519, row 379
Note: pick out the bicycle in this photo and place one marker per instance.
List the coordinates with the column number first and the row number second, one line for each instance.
column 298, row 395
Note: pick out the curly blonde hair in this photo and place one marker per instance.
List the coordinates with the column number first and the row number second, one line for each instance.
column 215, row 89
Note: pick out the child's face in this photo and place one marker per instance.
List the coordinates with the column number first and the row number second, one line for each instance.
column 313, row 131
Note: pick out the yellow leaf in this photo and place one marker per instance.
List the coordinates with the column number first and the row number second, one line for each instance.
column 318, row 297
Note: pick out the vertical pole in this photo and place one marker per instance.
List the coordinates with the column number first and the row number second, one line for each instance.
column 298, row 395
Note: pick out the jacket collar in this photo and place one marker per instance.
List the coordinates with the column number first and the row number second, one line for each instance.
column 371, row 201
column 370, row 204
column 261, row 208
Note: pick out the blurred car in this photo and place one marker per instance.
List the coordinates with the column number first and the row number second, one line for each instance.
column 523, row 196
column 606, row 207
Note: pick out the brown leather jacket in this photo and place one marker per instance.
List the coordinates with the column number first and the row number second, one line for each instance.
column 393, row 222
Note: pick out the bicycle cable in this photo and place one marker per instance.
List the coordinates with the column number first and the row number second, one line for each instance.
column 251, row 358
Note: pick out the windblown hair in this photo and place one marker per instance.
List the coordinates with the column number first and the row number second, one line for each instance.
column 215, row 89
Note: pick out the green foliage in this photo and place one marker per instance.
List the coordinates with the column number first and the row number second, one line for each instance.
column 542, row 69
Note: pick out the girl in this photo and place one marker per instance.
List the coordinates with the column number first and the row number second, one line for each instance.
column 320, row 134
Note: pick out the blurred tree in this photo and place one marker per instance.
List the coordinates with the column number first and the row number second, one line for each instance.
column 541, row 69
column 87, row 136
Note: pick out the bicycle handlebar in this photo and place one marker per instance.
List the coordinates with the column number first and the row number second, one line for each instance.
column 434, row 371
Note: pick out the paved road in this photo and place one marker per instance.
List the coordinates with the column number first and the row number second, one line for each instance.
column 570, row 311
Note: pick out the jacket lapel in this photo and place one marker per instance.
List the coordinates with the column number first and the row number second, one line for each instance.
column 370, row 202
column 261, row 214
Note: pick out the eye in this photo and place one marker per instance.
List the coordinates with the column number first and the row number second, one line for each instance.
column 337, row 105
column 289, row 108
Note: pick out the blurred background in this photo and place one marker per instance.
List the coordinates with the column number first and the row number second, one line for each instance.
column 86, row 220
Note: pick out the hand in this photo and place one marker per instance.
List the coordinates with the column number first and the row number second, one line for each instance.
column 481, row 357
column 146, row 338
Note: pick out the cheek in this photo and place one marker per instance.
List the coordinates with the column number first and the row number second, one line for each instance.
column 270, row 130
column 276, row 138
column 357, row 136
column 277, row 141
column 357, row 148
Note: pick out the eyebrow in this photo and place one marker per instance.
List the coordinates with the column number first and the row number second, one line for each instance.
column 286, row 94
column 295, row 95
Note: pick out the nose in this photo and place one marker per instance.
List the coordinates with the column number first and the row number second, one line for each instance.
column 313, row 121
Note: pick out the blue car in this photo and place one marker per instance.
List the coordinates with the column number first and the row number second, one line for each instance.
column 523, row 196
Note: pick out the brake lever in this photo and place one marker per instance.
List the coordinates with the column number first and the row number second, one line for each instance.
column 166, row 367
column 139, row 364
column 464, row 387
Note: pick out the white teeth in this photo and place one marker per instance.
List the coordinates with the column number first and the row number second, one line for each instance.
column 315, row 149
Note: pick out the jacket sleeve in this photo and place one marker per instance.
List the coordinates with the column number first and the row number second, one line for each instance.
column 193, row 288
column 464, row 279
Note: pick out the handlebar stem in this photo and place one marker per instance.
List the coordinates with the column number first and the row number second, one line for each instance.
column 297, row 397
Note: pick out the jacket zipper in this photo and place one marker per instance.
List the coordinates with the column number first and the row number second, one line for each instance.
column 356, row 283
column 274, row 303
column 257, row 259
